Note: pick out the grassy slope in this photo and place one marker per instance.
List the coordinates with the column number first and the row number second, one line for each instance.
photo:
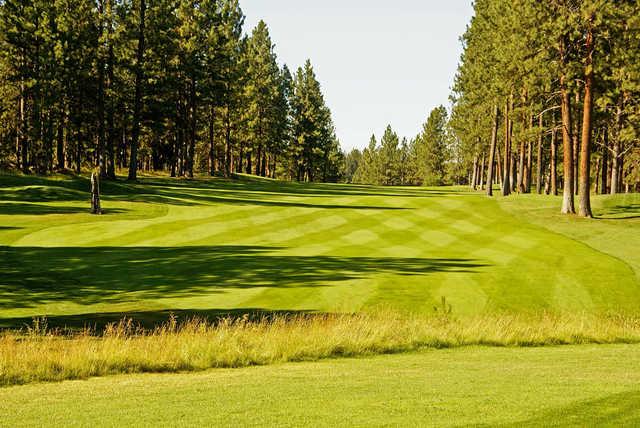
column 616, row 231
column 210, row 246
column 571, row 386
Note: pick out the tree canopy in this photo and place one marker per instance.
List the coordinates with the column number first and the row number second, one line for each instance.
column 162, row 85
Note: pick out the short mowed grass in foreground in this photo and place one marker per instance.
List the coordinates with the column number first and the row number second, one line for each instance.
column 579, row 386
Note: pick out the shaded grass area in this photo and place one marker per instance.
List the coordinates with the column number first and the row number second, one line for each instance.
column 39, row 354
column 615, row 410
column 35, row 275
column 554, row 386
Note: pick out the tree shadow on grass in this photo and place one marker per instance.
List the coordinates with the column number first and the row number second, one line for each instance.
column 32, row 276
column 198, row 191
column 253, row 184
column 50, row 193
column 187, row 196
column 97, row 321
column 40, row 209
column 621, row 409
column 240, row 199
column 620, row 212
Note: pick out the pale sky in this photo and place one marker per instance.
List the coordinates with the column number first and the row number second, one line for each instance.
column 379, row 62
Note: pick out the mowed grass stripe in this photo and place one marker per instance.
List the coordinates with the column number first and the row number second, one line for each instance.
column 216, row 244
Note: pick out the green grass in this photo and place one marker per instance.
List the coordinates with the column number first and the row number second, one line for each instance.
column 208, row 247
column 566, row 386
column 38, row 355
column 515, row 272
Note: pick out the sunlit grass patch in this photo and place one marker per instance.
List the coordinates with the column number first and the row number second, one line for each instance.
column 38, row 354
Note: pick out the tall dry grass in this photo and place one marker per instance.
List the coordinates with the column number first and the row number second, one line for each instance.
column 38, row 354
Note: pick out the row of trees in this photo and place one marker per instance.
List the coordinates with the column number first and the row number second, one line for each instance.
column 173, row 85
column 547, row 98
column 430, row 159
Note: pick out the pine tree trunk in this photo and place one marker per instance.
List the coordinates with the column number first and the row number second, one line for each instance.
column 101, row 127
column 174, row 156
column 193, row 124
column 616, row 153
column 576, row 147
column 539, row 162
column 553, row 161
column 212, row 146
column 529, row 164
column 597, row 180
column 78, row 145
column 275, row 165
column 22, row 132
column 567, row 143
column 137, row 105
column 101, row 95
column 506, row 185
column 521, row 167
column 482, row 169
column 258, row 159
column 474, row 175
column 513, row 166
column 605, row 162
column 60, row 144
column 621, row 169
column 95, row 194
column 498, row 166
column 249, row 166
column 111, row 161
column 227, row 141
column 584, row 197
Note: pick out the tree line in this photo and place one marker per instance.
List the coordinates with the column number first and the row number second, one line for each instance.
column 547, row 98
column 155, row 85
column 432, row 158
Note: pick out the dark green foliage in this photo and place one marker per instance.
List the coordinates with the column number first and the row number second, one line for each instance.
column 433, row 148
column 314, row 152
column 526, row 57
column 425, row 160
column 162, row 85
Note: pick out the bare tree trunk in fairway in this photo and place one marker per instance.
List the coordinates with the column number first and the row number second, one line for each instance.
column 95, row 194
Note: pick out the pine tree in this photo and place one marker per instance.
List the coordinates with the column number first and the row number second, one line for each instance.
column 433, row 148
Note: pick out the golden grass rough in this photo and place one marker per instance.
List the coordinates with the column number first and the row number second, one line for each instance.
column 40, row 355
